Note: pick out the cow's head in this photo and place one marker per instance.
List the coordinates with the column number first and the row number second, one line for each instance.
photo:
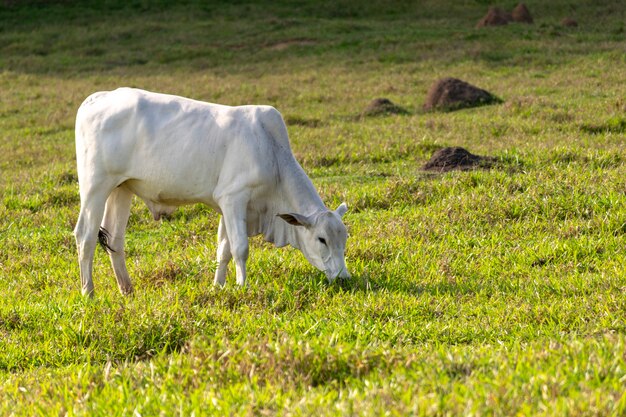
column 323, row 240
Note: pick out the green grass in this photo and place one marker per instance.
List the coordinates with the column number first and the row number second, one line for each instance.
column 489, row 292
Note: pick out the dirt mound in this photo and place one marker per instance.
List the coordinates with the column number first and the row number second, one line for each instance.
column 448, row 159
column 382, row 106
column 497, row 17
column 452, row 94
column 521, row 14
column 494, row 17
column 569, row 22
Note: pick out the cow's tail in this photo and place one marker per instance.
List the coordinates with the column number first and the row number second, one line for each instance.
column 103, row 239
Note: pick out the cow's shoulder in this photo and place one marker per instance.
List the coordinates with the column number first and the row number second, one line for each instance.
column 271, row 122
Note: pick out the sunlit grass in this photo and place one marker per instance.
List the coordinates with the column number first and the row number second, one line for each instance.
column 487, row 292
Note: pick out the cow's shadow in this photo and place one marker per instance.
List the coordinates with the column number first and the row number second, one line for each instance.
column 364, row 283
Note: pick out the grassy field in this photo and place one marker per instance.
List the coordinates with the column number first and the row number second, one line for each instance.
column 489, row 292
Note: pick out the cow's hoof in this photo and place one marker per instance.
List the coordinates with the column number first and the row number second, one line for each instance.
column 127, row 290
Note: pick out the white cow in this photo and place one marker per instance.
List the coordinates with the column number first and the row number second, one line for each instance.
column 171, row 151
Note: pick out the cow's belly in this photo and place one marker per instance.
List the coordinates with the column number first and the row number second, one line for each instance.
column 163, row 197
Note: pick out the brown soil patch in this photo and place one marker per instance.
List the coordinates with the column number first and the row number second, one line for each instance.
column 448, row 159
column 382, row 106
column 521, row 14
column 494, row 17
column 451, row 94
column 281, row 46
column 569, row 22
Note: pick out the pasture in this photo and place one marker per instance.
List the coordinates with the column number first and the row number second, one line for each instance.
column 496, row 291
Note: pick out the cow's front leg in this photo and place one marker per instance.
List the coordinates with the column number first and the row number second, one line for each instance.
column 223, row 254
column 234, row 218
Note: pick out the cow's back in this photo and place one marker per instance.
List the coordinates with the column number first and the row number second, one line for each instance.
column 175, row 150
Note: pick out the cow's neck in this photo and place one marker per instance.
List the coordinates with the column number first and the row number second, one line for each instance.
column 298, row 190
column 295, row 193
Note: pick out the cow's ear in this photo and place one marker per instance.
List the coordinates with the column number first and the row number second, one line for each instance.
column 295, row 219
column 341, row 210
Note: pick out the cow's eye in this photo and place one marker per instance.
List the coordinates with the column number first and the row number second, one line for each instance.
column 322, row 240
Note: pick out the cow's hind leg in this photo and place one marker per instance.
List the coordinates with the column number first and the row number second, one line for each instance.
column 223, row 254
column 116, row 216
column 86, row 233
